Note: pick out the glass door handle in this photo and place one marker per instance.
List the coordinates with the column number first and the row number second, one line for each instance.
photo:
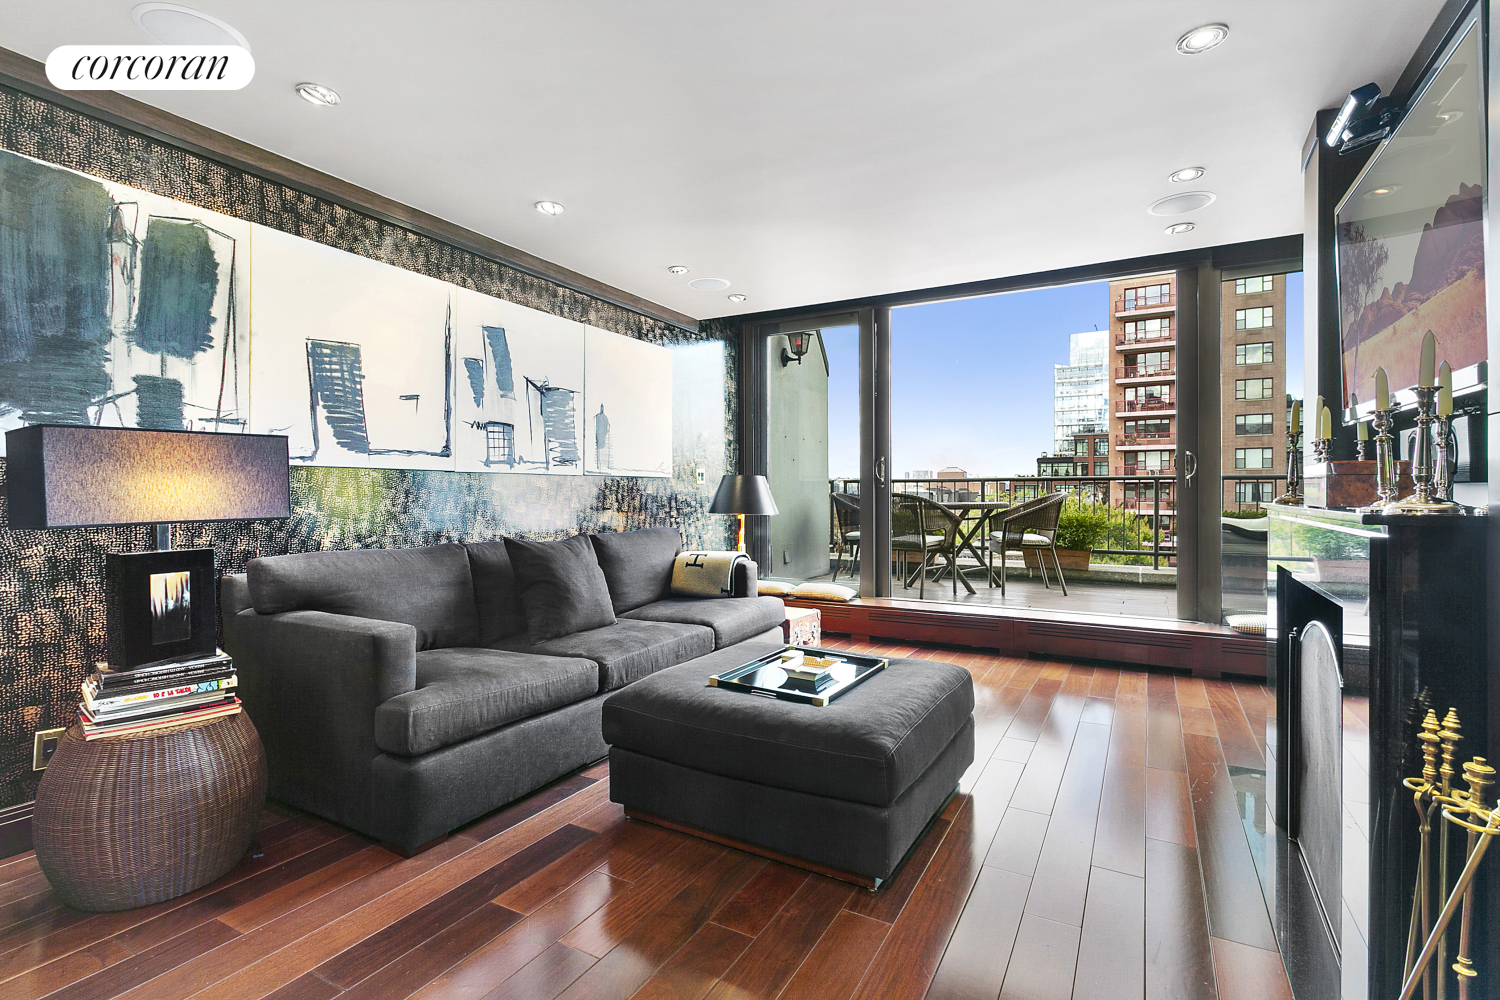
column 1189, row 467
column 880, row 472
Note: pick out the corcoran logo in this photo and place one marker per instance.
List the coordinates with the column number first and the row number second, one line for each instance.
column 150, row 67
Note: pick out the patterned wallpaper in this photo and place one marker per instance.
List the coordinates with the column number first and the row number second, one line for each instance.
column 51, row 582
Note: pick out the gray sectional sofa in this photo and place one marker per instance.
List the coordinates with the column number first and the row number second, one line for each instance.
column 406, row 692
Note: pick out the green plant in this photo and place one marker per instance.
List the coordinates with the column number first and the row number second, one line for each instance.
column 1080, row 526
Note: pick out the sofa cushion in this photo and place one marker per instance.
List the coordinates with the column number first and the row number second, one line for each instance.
column 462, row 693
column 733, row 619
column 625, row 651
column 637, row 565
column 868, row 745
column 427, row 588
column 562, row 587
column 497, row 599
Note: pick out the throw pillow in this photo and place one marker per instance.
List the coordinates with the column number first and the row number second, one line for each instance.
column 823, row 592
column 562, row 587
column 774, row 588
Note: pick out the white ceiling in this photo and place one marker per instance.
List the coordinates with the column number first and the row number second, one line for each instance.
column 808, row 151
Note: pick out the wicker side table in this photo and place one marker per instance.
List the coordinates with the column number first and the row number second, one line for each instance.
column 129, row 820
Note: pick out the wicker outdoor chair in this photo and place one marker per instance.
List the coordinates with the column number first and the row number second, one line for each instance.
column 1030, row 526
column 927, row 528
column 846, row 527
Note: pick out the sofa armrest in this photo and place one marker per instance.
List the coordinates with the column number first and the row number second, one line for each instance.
column 746, row 579
column 311, row 682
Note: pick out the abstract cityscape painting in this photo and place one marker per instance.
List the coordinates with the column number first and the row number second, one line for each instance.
column 520, row 388
column 627, row 402
column 123, row 308
column 118, row 307
column 351, row 358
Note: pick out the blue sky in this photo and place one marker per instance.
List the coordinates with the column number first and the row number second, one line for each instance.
column 971, row 379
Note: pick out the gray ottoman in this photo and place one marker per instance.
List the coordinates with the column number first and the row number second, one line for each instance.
column 845, row 789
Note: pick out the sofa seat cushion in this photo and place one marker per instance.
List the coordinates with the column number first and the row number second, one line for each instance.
column 625, row 651
column 869, row 745
column 733, row 619
column 428, row 588
column 462, row 693
column 637, row 565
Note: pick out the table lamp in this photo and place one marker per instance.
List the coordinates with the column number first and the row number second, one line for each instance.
column 161, row 605
column 741, row 495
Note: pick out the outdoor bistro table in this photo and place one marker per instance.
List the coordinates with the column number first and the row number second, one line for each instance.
column 975, row 514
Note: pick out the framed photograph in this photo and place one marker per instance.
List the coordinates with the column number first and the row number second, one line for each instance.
column 161, row 605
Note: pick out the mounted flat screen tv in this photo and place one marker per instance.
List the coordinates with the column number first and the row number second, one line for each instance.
column 1411, row 236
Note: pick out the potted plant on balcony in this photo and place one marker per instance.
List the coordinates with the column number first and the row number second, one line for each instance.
column 1080, row 527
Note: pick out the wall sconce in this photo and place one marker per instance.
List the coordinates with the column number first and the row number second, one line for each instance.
column 799, row 342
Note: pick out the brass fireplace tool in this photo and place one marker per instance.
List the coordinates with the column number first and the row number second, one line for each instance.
column 1467, row 809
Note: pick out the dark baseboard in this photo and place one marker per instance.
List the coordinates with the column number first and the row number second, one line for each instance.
column 1204, row 650
column 15, row 829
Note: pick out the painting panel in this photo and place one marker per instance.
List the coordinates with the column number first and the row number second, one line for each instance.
column 627, row 397
column 118, row 307
column 1411, row 236
column 519, row 396
column 352, row 357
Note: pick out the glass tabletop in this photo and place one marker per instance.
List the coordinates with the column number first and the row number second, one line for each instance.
column 782, row 674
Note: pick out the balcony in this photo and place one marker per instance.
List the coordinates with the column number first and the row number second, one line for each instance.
column 1140, row 305
column 1165, row 371
column 1164, row 407
column 1155, row 338
column 1163, row 439
column 1131, row 572
column 1141, row 470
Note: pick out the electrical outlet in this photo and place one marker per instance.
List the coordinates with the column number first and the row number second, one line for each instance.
column 699, row 476
column 44, row 747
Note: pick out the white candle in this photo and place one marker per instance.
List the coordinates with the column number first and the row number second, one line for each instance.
column 1296, row 416
column 1445, row 392
column 1364, row 431
column 1382, row 390
column 1429, row 359
column 1325, row 429
column 1317, row 418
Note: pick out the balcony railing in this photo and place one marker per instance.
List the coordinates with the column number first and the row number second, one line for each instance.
column 1132, row 532
column 1142, row 470
column 1137, row 440
column 1144, row 405
column 1146, row 371
column 1142, row 303
column 1143, row 337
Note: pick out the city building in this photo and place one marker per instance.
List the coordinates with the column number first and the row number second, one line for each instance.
column 1080, row 397
column 1143, row 388
column 1253, row 416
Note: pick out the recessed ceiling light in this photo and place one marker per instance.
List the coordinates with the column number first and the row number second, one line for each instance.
column 1180, row 228
column 1186, row 174
column 550, row 208
column 1181, row 204
column 737, row 297
column 1202, row 39
column 1384, row 191
column 174, row 24
column 677, row 269
column 709, row 284
column 316, row 93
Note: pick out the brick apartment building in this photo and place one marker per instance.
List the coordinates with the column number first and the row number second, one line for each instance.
column 1143, row 388
column 1254, row 391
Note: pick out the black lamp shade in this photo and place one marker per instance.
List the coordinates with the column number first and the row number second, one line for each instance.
column 75, row 476
column 743, row 495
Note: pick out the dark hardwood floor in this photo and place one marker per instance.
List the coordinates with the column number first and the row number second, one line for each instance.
column 1098, row 849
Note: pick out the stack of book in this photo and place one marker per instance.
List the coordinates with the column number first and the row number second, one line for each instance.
column 156, row 696
column 811, row 673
